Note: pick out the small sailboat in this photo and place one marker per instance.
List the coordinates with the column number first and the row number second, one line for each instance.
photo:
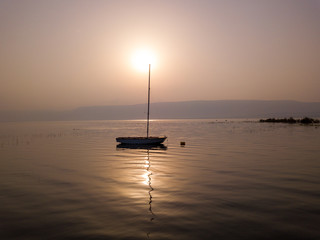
column 148, row 140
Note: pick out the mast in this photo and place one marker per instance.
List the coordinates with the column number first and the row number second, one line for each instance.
column 148, row 102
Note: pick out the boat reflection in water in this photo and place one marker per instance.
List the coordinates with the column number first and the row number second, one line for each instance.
column 147, row 175
column 148, row 182
column 142, row 146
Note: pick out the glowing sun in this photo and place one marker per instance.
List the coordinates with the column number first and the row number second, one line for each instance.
column 142, row 58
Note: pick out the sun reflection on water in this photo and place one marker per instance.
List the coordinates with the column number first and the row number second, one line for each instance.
column 148, row 179
column 143, row 157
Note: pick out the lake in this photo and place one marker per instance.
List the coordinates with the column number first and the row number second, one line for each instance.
column 234, row 179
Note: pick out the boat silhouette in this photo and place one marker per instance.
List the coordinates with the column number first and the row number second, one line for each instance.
column 148, row 140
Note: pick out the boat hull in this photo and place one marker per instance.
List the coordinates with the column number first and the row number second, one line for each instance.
column 141, row 140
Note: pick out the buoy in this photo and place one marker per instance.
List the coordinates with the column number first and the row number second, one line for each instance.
column 182, row 143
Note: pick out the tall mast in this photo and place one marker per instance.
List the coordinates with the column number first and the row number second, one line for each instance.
column 148, row 102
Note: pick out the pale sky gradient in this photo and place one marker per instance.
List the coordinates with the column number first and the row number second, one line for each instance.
column 62, row 54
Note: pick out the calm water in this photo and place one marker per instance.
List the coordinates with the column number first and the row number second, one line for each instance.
column 233, row 180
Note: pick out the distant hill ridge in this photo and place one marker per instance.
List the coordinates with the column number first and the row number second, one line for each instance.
column 176, row 110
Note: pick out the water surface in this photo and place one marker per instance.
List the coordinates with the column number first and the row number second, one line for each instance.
column 234, row 179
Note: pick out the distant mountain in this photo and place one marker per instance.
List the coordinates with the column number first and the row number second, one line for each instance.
column 176, row 110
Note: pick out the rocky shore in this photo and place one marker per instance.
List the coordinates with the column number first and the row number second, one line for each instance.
column 291, row 120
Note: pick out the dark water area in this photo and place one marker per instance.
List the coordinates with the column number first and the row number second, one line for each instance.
column 233, row 179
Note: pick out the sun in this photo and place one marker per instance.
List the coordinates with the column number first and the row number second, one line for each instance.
column 142, row 58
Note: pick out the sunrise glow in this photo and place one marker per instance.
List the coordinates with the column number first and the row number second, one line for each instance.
column 142, row 58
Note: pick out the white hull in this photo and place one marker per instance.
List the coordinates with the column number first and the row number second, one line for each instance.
column 141, row 140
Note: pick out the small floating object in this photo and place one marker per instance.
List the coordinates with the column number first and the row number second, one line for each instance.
column 182, row 143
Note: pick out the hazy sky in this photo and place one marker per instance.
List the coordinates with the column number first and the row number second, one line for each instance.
column 69, row 53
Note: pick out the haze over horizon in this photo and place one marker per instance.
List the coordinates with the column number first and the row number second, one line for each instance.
column 61, row 55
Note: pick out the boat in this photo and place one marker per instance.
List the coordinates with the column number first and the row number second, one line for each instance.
column 141, row 140
column 148, row 140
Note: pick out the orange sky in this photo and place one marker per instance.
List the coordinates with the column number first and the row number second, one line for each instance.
column 66, row 54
